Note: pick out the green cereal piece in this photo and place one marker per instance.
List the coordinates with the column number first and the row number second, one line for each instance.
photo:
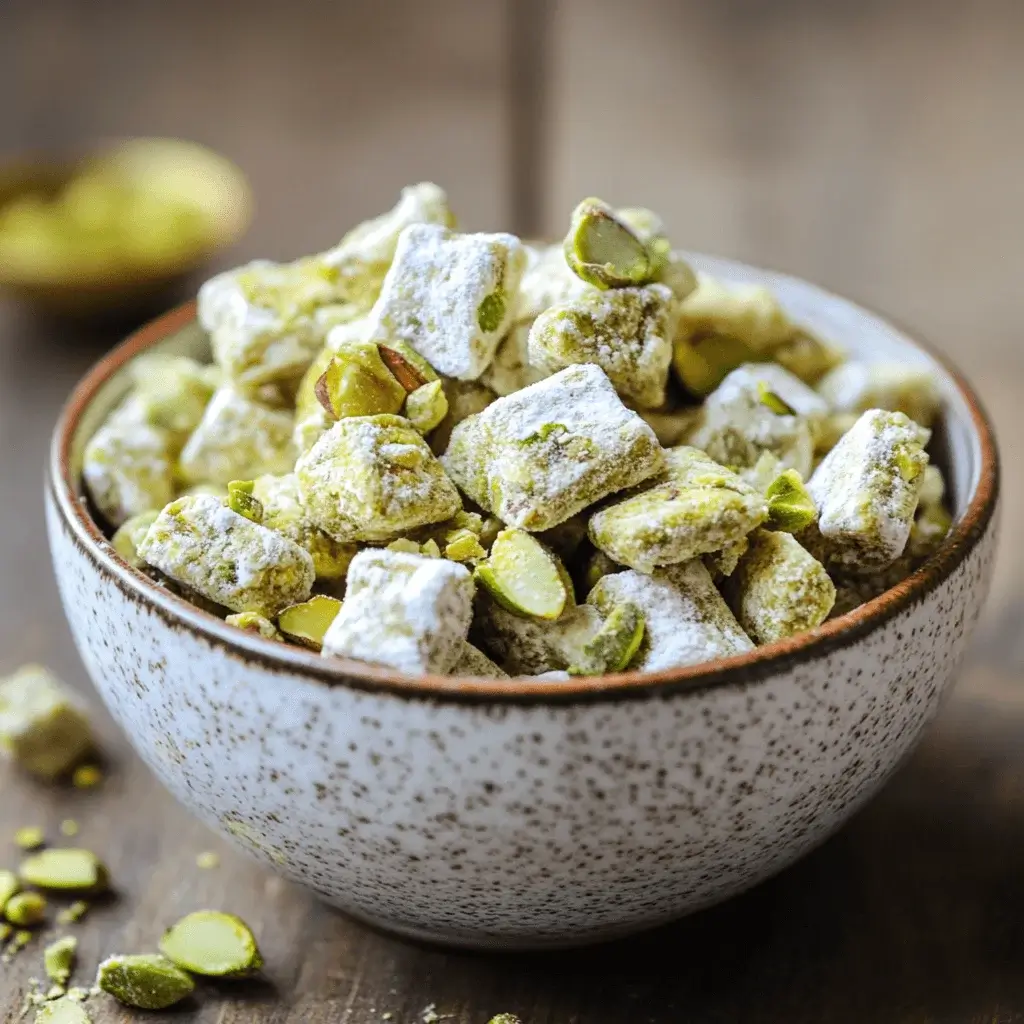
column 650, row 229
column 307, row 623
column 31, row 837
column 896, row 387
column 464, row 546
column 614, row 645
column 696, row 506
column 213, row 944
column 830, row 431
column 426, row 407
column 628, row 332
column 511, row 370
column 540, row 456
column 523, row 576
column 473, row 662
column 241, row 500
column 867, row 490
column 173, row 390
column 26, row 909
column 603, row 250
column 547, row 280
column 128, row 466
column 449, row 297
column 373, row 478
column 807, row 357
column 59, row 959
column 779, row 589
column 465, row 399
column 129, row 534
column 43, row 723
column 686, row 620
column 228, row 559
column 251, row 622
column 703, row 361
column 790, row 506
column 238, row 439
column 64, row 870
column 356, row 382
column 403, row 610
column 722, row 564
column 62, row 1011
column 678, row 275
column 749, row 313
column 9, row 887
column 145, row 981
column 283, row 511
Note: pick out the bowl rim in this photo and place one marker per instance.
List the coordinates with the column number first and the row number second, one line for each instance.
column 750, row 667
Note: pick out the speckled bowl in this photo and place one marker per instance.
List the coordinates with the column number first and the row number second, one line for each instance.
column 521, row 814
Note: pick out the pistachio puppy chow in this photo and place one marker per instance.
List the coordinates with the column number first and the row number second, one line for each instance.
column 866, row 490
column 749, row 313
column 405, row 611
column 536, row 458
column 173, row 391
column 628, row 332
column 449, row 296
column 229, row 559
column 687, row 622
column 855, row 387
column 373, row 478
column 547, row 280
column 511, row 369
column 695, row 507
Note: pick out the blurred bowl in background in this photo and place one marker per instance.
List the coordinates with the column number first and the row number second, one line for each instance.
column 117, row 229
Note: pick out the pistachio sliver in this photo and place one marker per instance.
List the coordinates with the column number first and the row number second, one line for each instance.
column 523, row 576
column 59, row 959
column 26, row 909
column 243, row 501
column 615, row 643
column 212, row 944
column 64, row 870
column 309, row 621
column 146, row 981
column 773, row 401
column 603, row 250
column 62, row 1011
column 790, row 507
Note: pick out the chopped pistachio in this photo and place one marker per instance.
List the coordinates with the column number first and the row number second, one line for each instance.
column 212, row 944
column 790, row 507
column 722, row 564
column 465, row 398
column 73, row 912
column 64, row 869
column 59, row 959
column 357, row 382
column 241, row 500
column 129, row 535
column 145, row 981
column 26, row 909
column 31, row 837
column 9, row 886
column 703, row 361
column 598, row 564
column 62, row 1011
column 603, row 250
column 464, row 546
column 253, row 622
column 430, row 548
column 308, row 622
column 69, row 827
column 773, row 401
column 615, row 643
column 426, row 407
column 523, row 576
column 207, row 861
column 405, row 545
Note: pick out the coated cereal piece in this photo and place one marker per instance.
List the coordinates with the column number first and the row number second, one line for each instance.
column 511, row 370
column 129, row 534
column 449, row 297
column 465, row 398
column 244, row 566
column 897, row 387
column 695, row 507
column 750, row 313
column 686, row 620
column 373, row 478
column 933, row 488
column 473, row 662
column 237, row 439
column 628, row 332
column 866, row 490
column 671, row 425
column 539, row 456
column 403, row 610
column 283, row 511
column 173, row 391
column 128, row 465
column 779, row 589
column 44, row 728
column 547, row 280
column 807, row 356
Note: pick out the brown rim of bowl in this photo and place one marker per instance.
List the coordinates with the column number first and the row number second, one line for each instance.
column 275, row 656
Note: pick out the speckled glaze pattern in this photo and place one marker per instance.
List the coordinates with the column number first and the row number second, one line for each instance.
column 536, row 820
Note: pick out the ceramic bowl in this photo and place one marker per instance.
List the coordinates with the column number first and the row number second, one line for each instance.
column 524, row 814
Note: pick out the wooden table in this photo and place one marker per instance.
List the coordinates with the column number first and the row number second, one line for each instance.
column 874, row 147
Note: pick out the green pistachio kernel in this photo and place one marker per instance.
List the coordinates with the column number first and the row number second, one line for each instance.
column 68, row 869
column 253, row 622
column 407, row 366
column 62, row 1011
column 404, row 545
column 463, row 546
column 59, row 959
column 145, row 981
column 430, row 549
column 26, row 909
column 772, row 401
column 523, row 576
column 603, row 250
column 73, row 913
column 212, row 944
column 704, row 361
column 31, row 837
column 790, row 506
column 426, row 407
column 650, row 229
column 615, row 643
column 309, row 621
column 357, row 382
column 491, row 312
column 9, row 886
column 242, row 500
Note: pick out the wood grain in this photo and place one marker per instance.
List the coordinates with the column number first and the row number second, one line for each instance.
column 873, row 147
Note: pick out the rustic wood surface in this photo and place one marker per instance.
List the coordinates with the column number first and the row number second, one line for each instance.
column 875, row 147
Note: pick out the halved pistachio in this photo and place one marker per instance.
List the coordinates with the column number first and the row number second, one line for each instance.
column 790, row 506
column 242, row 500
column 62, row 1011
column 357, row 382
column 213, row 944
column 650, row 229
column 67, row 869
column 523, row 576
column 31, row 837
column 59, row 959
column 26, row 909
column 603, row 250
column 704, row 361
column 426, row 407
column 309, row 621
column 615, row 643
column 146, row 981
column 773, row 401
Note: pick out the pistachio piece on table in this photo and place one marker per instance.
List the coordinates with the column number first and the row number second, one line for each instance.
column 62, row 1011
column 309, row 621
column 59, row 959
column 146, row 981
column 64, row 870
column 523, row 576
column 603, row 250
column 212, row 944
column 9, row 886
column 26, row 909
column 31, row 837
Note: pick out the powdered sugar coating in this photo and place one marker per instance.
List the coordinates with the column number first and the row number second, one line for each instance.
column 547, row 280
column 539, row 456
column 203, row 545
column 511, row 370
column 449, row 296
column 403, row 610
column 686, row 620
column 896, row 387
